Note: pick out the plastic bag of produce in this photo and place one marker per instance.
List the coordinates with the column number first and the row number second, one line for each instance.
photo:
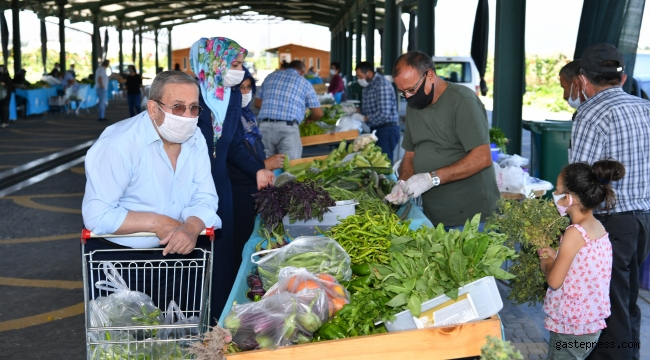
column 297, row 280
column 278, row 320
column 347, row 123
column 124, row 307
column 317, row 254
column 364, row 140
column 174, row 316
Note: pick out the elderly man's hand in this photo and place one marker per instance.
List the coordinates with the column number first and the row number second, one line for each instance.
column 182, row 239
column 398, row 196
column 418, row 184
column 164, row 225
column 264, row 178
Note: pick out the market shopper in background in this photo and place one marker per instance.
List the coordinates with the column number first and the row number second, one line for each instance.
column 7, row 84
column 614, row 124
column 337, row 84
column 223, row 130
column 151, row 173
column 570, row 82
column 101, row 88
column 379, row 107
column 243, row 187
column 134, row 90
column 447, row 145
column 282, row 101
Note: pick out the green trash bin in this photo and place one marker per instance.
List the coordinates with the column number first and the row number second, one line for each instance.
column 549, row 147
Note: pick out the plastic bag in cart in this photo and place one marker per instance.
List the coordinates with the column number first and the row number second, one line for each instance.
column 279, row 320
column 298, row 280
column 191, row 328
column 123, row 307
column 318, row 254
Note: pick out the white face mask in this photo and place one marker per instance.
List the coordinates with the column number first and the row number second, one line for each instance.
column 233, row 78
column 332, row 72
column 246, row 99
column 177, row 129
column 574, row 103
column 363, row 82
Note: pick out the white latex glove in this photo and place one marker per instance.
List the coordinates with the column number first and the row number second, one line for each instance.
column 398, row 196
column 418, row 184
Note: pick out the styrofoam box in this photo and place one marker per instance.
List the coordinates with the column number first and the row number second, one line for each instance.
column 342, row 210
column 484, row 293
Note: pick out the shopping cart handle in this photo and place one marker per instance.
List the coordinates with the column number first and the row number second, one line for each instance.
column 87, row 234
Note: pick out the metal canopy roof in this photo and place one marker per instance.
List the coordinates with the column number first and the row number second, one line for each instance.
column 156, row 14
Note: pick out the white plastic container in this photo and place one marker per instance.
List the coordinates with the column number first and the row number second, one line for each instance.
column 339, row 212
column 483, row 292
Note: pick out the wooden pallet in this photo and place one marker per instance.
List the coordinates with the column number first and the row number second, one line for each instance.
column 329, row 138
column 452, row 342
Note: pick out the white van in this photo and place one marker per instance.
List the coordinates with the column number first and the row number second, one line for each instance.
column 460, row 70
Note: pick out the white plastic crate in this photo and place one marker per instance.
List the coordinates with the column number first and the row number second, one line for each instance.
column 342, row 210
column 483, row 293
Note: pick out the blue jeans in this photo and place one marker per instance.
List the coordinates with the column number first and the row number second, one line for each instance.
column 388, row 139
column 461, row 227
column 101, row 95
column 134, row 103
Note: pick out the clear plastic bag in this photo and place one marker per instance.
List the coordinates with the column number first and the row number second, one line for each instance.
column 364, row 140
column 175, row 313
column 279, row 320
column 347, row 123
column 298, row 280
column 123, row 307
column 317, row 254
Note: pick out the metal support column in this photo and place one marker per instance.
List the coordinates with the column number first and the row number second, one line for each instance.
column 342, row 42
column 120, row 29
column 155, row 39
column 140, row 65
column 134, row 56
column 61, row 12
column 426, row 26
column 15, row 20
column 509, row 70
column 348, row 53
column 95, row 42
column 169, row 48
column 358, row 32
column 370, row 34
column 390, row 48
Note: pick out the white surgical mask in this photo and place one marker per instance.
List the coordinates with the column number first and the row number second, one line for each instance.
column 363, row 82
column 177, row 129
column 332, row 72
column 246, row 99
column 233, row 77
column 574, row 103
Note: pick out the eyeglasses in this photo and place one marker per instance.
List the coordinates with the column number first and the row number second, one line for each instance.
column 179, row 109
column 411, row 92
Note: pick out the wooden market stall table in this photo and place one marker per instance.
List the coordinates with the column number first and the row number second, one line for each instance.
column 457, row 341
column 36, row 100
column 329, row 138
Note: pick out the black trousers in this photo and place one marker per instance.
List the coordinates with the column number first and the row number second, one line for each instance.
column 629, row 234
column 4, row 110
column 178, row 278
column 243, row 204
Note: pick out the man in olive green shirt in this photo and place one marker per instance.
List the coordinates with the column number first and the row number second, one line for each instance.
column 448, row 159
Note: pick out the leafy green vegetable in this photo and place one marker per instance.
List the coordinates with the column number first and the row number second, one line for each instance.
column 499, row 138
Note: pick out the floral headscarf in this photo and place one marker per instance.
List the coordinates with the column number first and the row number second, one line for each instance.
column 210, row 59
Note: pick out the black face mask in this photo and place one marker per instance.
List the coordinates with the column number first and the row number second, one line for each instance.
column 420, row 100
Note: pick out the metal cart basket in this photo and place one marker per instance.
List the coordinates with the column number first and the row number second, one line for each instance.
column 184, row 279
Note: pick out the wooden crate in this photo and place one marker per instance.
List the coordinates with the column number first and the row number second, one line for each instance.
column 320, row 89
column 329, row 138
column 452, row 342
column 514, row 196
column 307, row 159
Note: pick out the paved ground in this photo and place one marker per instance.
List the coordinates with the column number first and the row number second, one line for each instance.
column 41, row 307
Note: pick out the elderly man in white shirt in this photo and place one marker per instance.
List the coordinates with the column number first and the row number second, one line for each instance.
column 151, row 173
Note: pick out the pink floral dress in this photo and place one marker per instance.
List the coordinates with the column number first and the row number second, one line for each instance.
column 581, row 304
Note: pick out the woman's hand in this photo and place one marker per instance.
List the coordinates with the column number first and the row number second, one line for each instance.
column 264, row 178
column 274, row 162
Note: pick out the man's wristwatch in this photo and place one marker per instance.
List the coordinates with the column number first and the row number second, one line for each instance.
column 435, row 180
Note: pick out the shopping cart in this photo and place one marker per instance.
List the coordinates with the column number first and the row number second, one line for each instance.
column 186, row 280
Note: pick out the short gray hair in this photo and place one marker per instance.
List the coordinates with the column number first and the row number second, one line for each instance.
column 418, row 60
column 168, row 77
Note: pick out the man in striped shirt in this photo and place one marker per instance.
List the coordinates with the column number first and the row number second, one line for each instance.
column 614, row 124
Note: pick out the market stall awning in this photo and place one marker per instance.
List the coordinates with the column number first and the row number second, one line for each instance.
column 155, row 14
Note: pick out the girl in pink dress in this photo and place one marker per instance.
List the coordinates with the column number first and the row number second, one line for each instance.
column 578, row 274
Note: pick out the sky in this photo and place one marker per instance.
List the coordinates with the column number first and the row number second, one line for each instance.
column 551, row 28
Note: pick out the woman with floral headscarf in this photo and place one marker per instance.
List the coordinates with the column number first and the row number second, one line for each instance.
column 218, row 63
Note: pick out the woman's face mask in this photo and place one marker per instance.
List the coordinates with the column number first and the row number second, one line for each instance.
column 233, row 78
column 246, row 99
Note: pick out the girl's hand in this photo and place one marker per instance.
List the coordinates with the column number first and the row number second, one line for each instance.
column 547, row 253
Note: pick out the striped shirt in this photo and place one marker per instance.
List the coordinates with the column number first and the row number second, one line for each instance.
column 285, row 96
column 379, row 102
column 614, row 124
